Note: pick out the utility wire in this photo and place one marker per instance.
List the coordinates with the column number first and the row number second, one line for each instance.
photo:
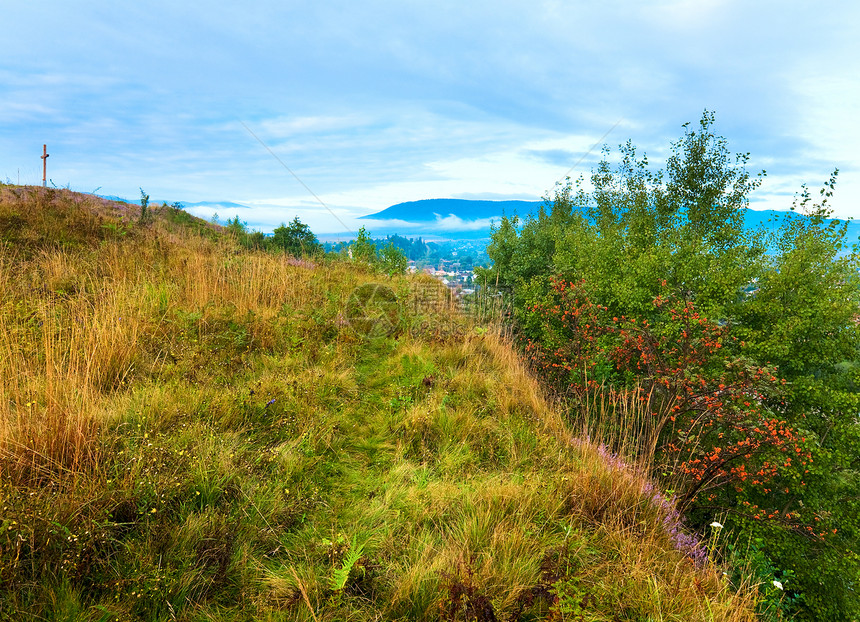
column 344, row 225
column 587, row 153
column 290, row 171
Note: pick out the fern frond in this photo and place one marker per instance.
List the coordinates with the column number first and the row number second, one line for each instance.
column 341, row 575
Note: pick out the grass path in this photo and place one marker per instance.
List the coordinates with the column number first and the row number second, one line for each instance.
column 190, row 431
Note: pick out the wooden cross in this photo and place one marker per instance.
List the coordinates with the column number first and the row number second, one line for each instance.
column 44, row 165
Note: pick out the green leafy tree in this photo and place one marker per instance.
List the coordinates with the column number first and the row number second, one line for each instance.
column 802, row 317
column 255, row 240
column 236, row 227
column 144, row 207
column 389, row 259
column 297, row 239
column 392, row 260
column 784, row 305
column 363, row 249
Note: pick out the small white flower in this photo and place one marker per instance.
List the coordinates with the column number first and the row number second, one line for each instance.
column 777, row 585
column 716, row 525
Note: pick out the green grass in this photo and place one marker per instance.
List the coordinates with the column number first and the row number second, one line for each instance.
column 191, row 431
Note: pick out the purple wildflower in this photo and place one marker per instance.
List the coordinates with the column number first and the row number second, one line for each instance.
column 684, row 542
column 301, row 263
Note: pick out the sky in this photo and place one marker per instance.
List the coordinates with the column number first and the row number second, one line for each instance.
column 333, row 110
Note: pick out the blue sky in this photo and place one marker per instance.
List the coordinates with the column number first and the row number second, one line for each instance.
column 376, row 103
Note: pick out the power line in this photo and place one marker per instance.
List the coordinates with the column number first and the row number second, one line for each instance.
column 587, row 153
column 290, row 171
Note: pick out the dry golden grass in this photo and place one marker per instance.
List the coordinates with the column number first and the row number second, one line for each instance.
column 190, row 430
column 73, row 325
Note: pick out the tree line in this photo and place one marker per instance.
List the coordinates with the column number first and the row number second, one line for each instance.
column 298, row 240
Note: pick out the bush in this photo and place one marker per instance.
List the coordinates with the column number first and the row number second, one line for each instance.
column 296, row 239
column 743, row 343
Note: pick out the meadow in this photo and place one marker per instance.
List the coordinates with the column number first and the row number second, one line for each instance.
column 190, row 430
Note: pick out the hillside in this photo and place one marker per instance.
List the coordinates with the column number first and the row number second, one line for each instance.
column 191, row 431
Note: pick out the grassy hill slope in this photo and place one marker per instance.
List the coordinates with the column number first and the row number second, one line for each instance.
column 189, row 431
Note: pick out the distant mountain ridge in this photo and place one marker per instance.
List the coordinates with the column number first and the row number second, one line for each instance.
column 452, row 217
column 429, row 210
